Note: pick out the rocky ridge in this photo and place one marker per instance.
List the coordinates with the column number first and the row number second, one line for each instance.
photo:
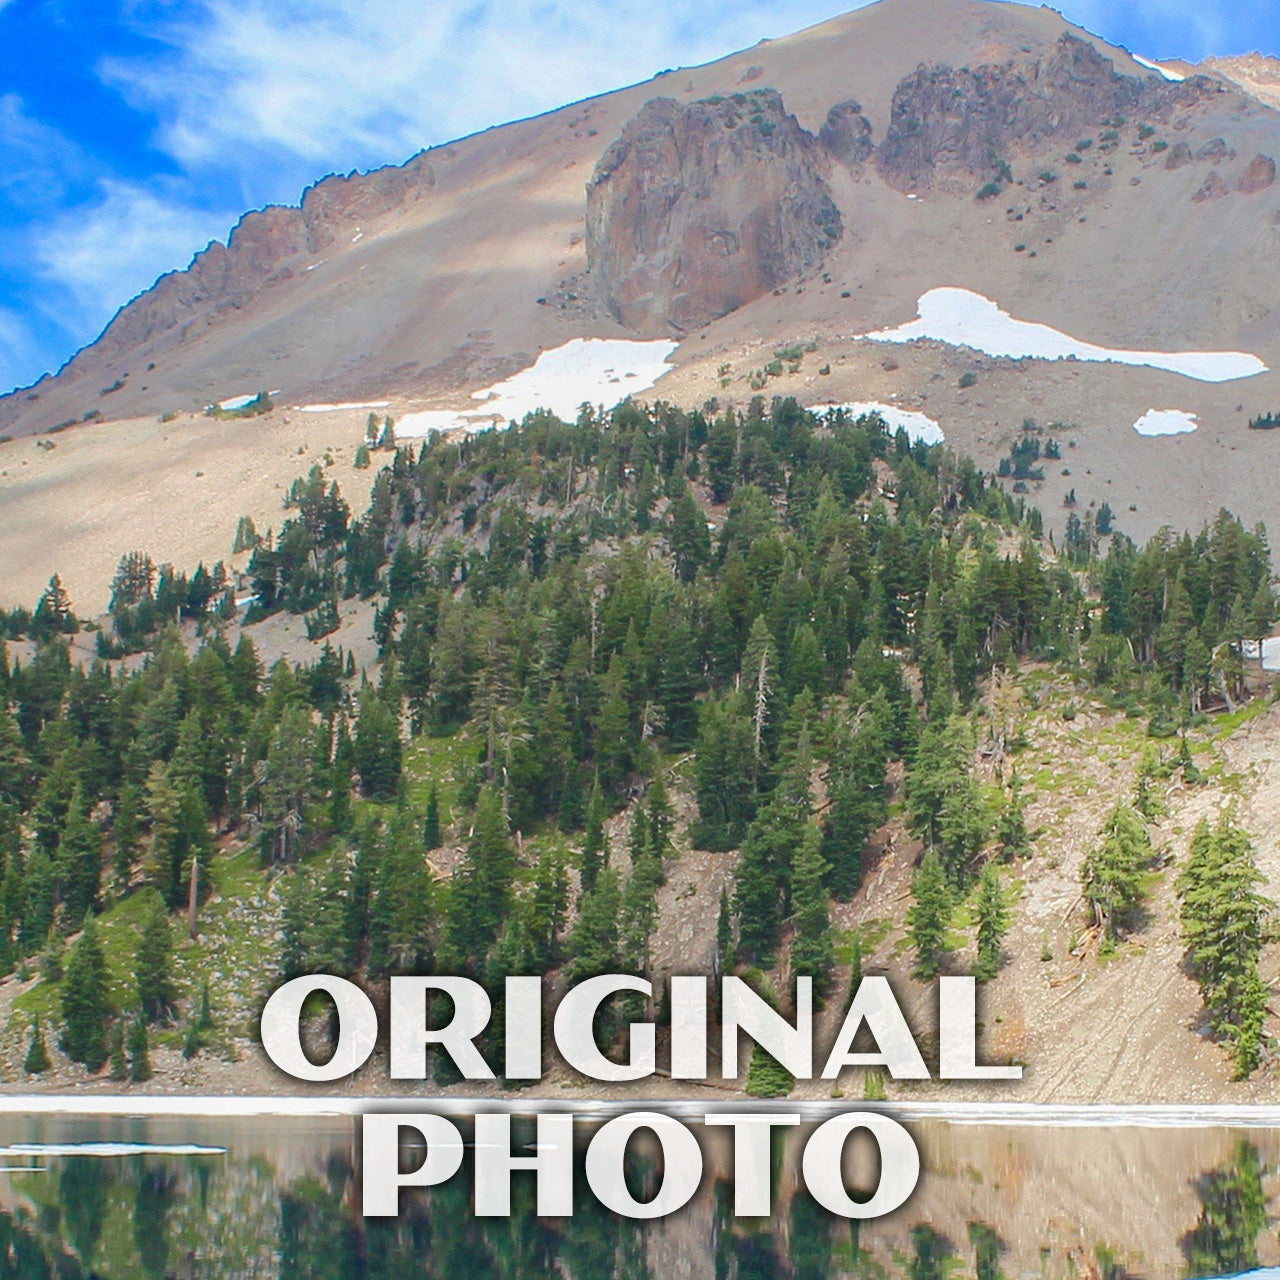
column 698, row 209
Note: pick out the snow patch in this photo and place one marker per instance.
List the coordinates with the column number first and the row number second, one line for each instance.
column 967, row 319
column 359, row 235
column 333, row 408
column 237, row 402
column 110, row 1149
column 1155, row 66
column 1165, row 422
column 920, row 429
column 561, row 380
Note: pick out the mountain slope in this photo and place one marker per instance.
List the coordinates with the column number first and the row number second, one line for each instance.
column 422, row 283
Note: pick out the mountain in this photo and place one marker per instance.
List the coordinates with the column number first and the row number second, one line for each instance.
column 801, row 193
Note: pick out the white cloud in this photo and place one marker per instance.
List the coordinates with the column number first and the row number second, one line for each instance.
column 341, row 82
column 97, row 256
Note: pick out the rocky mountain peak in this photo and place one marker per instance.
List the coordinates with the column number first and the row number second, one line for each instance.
column 957, row 127
column 697, row 209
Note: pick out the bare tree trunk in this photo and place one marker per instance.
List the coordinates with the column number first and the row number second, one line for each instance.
column 193, row 894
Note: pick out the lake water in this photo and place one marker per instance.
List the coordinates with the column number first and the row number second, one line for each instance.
column 279, row 1198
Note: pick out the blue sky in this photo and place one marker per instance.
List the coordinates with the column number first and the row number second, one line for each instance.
column 132, row 132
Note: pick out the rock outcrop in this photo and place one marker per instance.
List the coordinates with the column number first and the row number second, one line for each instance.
column 958, row 128
column 1212, row 188
column 258, row 251
column 698, row 209
column 846, row 134
column 1260, row 175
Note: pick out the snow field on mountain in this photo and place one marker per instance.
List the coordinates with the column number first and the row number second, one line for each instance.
column 1165, row 422
column 918, row 426
column 967, row 319
column 583, row 371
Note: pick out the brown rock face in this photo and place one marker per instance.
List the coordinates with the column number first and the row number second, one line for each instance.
column 696, row 210
column 258, row 249
column 1179, row 156
column 1215, row 151
column 1260, row 175
column 846, row 134
column 1213, row 188
column 958, row 128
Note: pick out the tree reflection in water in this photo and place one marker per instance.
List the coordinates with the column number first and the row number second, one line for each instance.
column 247, row 1217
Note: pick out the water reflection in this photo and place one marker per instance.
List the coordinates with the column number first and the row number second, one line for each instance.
column 282, row 1202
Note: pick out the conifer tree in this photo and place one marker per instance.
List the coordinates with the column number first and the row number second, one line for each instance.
column 117, row 1060
column 593, row 944
column 37, row 909
column 595, row 845
column 431, row 821
column 724, row 933
column 125, row 830
column 1011, row 825
column 153, row 966
column 812, row 952
column 401, row 909
column 1225, row 925
column 761, row 898
column 79, row 859
column 480, row 889
column 139, row 1046
column 37, row 1059
column 993, row 923
column 766, row 1076
column 929, row 916
column 84, row 999
column 1114, row 871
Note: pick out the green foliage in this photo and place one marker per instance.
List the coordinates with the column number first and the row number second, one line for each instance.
column 767, row 1077
column 85, row 1005
column 993, row 923
column 1233, row 1214
column 1225, row 925
column 37, row 1060
column 139, row 1048
column 153, row 966
column 1114, row 873
column 929, row 917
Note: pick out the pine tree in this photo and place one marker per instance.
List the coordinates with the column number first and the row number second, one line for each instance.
column 118, row 1062
column 401, row 910
column 1225, row 925
column 724, row 933
column 79, row 859
column 125, row 829
column 993, row 923
column 153, row 965
column 431, row 822
column 761, row 897
column 812, row 952
column 595, row 845
column 593, row 943
column 1114, row 872
column 85, row 1003
column 480, row 889
column 929, row 916
column 37, row 1059
column 767, row 1077
column 1011, row 825
column 139, row 1050
column 37, row 910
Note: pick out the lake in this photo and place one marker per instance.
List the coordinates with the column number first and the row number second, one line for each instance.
column 278, row 1197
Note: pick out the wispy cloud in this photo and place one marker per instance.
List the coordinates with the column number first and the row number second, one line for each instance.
column 97, row 256
column 339, row 82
